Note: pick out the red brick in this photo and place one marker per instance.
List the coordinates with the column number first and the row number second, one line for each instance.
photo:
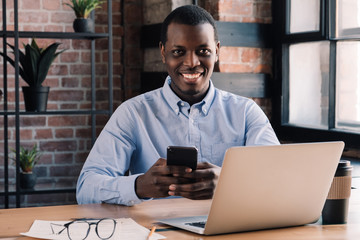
column 133, row 13
column 43, row 133
column 51, row 81
column 229, row 54
column 26, row 134
column 70, row 82
column 62, row 17
column 51, row 5
column 81, row 44
column 86, row 82
column 83, row 69
column 33, row 28
column 55, row 121
column 83, row 133
column 33, row 17
column 73, row 170
column 58, row 70
column 70, row 56
column 262, row 9
column 133, row 56
column 66, row 95
column 101, row 44
column 85, row 57
column 251, row 55
column 29, row 4
column 263, row 68
column 32, row 121
column 240, row 68
column 66, row 145
column 63, row 158
column 53, row 28
column 81, row 157
column 64, row 133
column 69, row 106
column 45, row 158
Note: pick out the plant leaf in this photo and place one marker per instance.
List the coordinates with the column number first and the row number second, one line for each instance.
column 32, row 57
column 48, row 56
column 21, row 60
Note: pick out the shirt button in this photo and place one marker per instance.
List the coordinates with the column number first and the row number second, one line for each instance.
column 182, row 104
column 204, row 110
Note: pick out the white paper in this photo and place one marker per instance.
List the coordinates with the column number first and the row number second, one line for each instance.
column 126, row 228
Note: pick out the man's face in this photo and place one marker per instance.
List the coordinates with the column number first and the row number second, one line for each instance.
column 190, row 54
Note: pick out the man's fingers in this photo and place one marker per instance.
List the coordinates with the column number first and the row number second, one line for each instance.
column 192, row 187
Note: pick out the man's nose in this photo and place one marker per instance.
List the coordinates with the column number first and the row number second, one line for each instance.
column 191, row 60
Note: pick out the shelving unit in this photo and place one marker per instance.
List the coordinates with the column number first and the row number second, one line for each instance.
column 93, row 112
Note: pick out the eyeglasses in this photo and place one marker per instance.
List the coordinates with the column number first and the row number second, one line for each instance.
column 79, row 229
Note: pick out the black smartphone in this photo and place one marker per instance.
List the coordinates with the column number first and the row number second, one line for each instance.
column 182, row 156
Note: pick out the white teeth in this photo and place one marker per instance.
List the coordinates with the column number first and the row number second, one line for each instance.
column 192, row 76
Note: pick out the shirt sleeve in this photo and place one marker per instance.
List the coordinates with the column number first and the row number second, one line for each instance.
column 258, row 128
column 102, row 179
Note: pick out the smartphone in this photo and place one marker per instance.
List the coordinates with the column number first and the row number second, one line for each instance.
column 182, row 156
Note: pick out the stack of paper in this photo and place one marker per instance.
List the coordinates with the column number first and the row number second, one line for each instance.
column 126, row 228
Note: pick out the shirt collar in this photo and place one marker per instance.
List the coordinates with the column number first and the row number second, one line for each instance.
column 175, row 102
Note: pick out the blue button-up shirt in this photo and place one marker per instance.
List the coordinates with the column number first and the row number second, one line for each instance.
column 141, row 128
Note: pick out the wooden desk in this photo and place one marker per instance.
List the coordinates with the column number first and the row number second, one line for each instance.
column 14, row 221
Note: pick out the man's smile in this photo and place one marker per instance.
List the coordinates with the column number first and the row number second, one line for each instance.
column 191, row 77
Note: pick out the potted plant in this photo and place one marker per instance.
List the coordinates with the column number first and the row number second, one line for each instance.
column 27, row 160
column 34, row 65
column 82, row 9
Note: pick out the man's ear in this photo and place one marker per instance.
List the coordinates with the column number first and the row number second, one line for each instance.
column 217, row 51
column 162, row 51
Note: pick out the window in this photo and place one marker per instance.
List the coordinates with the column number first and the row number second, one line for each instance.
column 318, row 70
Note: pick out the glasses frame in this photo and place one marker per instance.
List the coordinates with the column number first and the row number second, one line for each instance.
column 87, row 220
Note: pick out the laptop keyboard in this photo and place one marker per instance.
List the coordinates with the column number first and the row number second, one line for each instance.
column 197, row 224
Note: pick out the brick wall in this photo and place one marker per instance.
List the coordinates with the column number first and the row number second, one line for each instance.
column 64, row 140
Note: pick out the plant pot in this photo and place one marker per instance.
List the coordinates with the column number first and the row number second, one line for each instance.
column 85, row 25
column 35, row 98
column 27, row 180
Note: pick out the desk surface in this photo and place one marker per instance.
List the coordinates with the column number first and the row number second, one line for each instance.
column 14, row 221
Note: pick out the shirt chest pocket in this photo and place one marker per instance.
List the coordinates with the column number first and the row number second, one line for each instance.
column 215, row 153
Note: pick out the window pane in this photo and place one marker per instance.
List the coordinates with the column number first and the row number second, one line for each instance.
column 348, row 84
column 304, row 16
column 309, row 84
column 348, row 21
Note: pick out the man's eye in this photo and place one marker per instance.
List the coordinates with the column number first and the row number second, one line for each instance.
column 178, row 52
column 204, row 52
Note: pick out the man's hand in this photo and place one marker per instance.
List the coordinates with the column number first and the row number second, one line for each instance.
column 204, row 179
column 156, row 181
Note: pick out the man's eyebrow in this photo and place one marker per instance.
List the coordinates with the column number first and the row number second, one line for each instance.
column 203, row 45
column 178, row 46
column 200, row 46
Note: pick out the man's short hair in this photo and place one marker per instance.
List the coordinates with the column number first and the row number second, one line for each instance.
column 188, row 15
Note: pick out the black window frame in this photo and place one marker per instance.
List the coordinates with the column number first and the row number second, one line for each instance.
column 282, row 40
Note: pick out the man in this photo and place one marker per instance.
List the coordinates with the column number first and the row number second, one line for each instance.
column 187, row 111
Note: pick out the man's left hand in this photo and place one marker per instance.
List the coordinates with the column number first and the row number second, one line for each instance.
column 204, row 180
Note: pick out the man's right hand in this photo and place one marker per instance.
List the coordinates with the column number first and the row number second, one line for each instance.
column 156, row 181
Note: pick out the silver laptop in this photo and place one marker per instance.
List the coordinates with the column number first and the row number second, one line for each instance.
column 262, row 187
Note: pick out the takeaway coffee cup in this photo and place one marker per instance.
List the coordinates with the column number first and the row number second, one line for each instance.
column 335, row 210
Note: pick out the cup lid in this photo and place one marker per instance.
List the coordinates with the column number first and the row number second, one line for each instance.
column 344, row 164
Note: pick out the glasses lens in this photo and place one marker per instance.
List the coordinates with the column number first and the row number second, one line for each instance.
column 78, row 230
column 105, row 228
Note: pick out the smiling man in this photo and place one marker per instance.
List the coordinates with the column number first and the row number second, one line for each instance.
column 187, row 111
